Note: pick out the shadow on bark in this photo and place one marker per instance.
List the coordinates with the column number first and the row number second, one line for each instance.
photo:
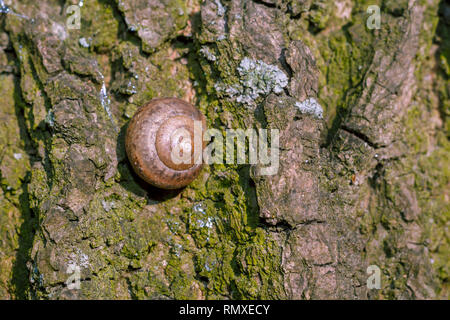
column 20, row 272
column 442, row 38
column 132, row 182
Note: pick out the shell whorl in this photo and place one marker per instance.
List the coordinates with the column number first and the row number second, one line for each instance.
column 156, row 133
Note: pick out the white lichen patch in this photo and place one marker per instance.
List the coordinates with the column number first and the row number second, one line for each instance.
column 207, row 54
column 7, row 10
column 50, row 118
column 257, row 78
column 59, row 30
column 198, row 208
column 220, row 8
column 177, row 249
column 108, row 205
column 206, row 223
column 310, row 106
column 104, row 99
column 131, row 88
column 201, row 219
column 261, row 78
column 83, row 42
column 78, row 259
column 343, row 9
column 106, row 102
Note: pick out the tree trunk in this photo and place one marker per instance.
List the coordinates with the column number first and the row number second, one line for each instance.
column 363, row 178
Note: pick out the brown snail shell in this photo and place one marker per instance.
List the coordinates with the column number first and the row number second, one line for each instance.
column 153, row 136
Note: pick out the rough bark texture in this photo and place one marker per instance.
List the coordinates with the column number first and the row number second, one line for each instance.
column 367, row 184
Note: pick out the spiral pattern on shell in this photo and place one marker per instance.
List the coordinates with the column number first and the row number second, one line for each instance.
column 160, row 142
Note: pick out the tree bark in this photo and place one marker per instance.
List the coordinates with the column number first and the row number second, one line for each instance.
column 363, row 176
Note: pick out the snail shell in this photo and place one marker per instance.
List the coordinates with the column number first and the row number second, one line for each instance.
column 159, row 130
